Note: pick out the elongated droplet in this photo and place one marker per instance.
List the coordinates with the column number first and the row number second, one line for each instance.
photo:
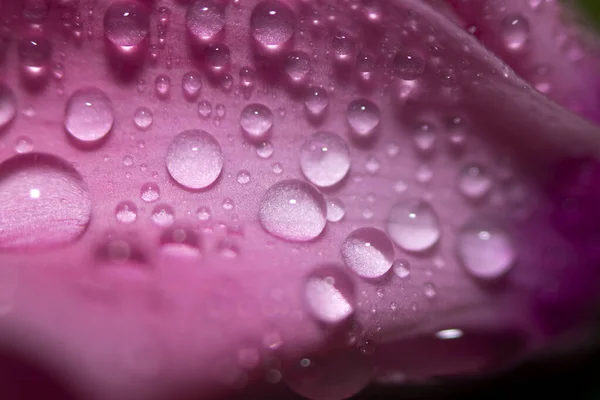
column 413, row 225
column 293, row 210
column 368, row 252
column 89, row 116
column 363, row 117
column 195, row 159
column 325, row 159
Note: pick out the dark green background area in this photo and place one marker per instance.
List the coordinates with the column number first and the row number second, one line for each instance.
column 591, row 10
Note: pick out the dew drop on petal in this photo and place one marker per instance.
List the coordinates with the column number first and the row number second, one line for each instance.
column 316, row 101
column 335, row 210
column 297, row 67
column 150, row 192
column 205, row 20
column 126, row 26
column 368, row 252
column 162, row 86
column 324, row 159
column 243, row 177
column 163, row 215
column 485, row 250
column 474, row 182
column 401, row 268
column 363, row 117
column 217, row 58
column 126, row 212
column 89, row 116
column 180, row 242
column 515, row 32
column 191, row 84
column 35, row 54
column 204, row 108
column 408, row 66
column 344, row 48
column 256, row 121
column 23, row 145
column 413, row 225
column 194, row 159
column 329, row 295
column 45, row 202
column 142, row 118
column 264, row 149
column 429, row 290
column 8, row 105
column 272, row 25
column 293, row 210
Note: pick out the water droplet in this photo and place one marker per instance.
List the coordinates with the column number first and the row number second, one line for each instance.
column 273, row 25
column 515, row 32
column 163, row 215
column 217, row 58
column 429, row 290
column 408, row 66
column 204, row 214
column 227, row 248
column 143, row 118
column 401, row 268
column 247, row 80
column 368, row 252
column 204, row 21
column 45, row 202
column 180, row 242
column 329, row 295
column 35, row 55
column 413, row 225
column 344, row 48
column 425, row 138
column 191, row 84
column 126, row 212
column 220, row 109
column 89, row 116
column 363, row 117
column 365, row 67
column 297, row 67
column 256, row 120
column 424, row 174
column 23, row 145
column 162, row 85
column 243, row 177
column 126, row 27
column 485, row 249
column 325, row 159
column 204, row 109
column 372, row 165
column 194, row 159
column 8, row 105
column 264, row 150
column 293, row 210
column 150, row 192
column 227, row 204
column 448, row 334
column 316, row 101
column 474, row 182
column 335, row 210
column 128, row 160
column 277, row 168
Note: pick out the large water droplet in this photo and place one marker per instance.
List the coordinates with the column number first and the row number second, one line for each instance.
column 126, row 27
column 204, row 21
column 35, row 54
column 474, row 182
column 256, row 121
column 89, row 116
column 44, row 202
column 413, row 225
column 194, row 159
column 273, row 25
column 329, row 295
column 325, row 159
column 363, row 116
column 217, row 58
column 297, row 67
column 8, row 105
column 293, row 210
column 368, row 252
column 485, row 249
column 316, row 101
column 191, row 84
column 515, row 32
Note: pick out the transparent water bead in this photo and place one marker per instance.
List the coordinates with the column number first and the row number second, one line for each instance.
column 329, row 295
column 325, row 159
column 368, row 252
column 413, row 225
column 293, row 210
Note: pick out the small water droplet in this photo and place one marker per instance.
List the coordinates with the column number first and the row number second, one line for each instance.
column 425, row 138
column 8, row 105
column 363, row 117
column 247, row 80
column 45, row 202
column 143, row 118
column 217, row 59
column 150, row 192
column 273, row 25
column 413, row 225
column 162, row 86
column 474, row 182
column 128, row 160
column 228, row 204
column 126, row 212
column 316, row 101
column 277, row 168
column 204, row 109
column 429, row 290
column 221, row 110
column 204, row 214
column 195, row 159
column 89, row 116
column 163, row 215
column 293, row 210
column 372, row 165
column 256, row 121
column 401, row 268
column 23, row 145
column 126, row 27
column 485, row 249
column 243, row 177
column 264, row 150
column 335, row 210
column 297, row 67
column 424, row 174
column 368, row 252
column 408, row 66
column 515, row 32
column 204, row 21
column 329, row 295
column 325, row 159
column 191, row 84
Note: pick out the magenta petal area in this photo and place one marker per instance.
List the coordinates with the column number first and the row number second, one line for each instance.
column 197, row 197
